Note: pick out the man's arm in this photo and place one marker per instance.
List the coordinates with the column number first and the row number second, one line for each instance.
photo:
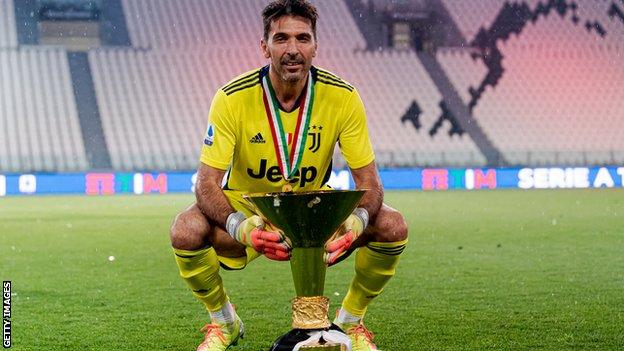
column 248, row 231
column 210, row 197
column 367, row 178
column 340, row 244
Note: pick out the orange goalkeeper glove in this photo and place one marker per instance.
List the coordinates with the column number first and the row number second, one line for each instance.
column 250, row 232
column 340, row 243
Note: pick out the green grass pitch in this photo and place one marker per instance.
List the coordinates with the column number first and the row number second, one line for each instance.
column 488, row 270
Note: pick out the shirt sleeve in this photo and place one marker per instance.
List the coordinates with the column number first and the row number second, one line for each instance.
column 354, row 139
column 220, row 139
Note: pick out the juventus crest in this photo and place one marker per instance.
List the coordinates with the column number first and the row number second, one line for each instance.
column 314, row 132
column 314, row 138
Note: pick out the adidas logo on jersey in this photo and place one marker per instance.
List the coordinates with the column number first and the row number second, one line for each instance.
column 257, row 139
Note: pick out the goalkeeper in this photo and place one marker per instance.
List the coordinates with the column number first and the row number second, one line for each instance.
column 271, row 128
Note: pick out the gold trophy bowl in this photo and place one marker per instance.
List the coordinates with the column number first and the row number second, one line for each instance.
column 308, row 219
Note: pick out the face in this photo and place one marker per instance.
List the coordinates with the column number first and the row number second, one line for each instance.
column 290, row 47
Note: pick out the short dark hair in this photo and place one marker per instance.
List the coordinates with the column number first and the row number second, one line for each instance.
column 279, row 8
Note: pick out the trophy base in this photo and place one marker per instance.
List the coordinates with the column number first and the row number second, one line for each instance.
column 288, row 341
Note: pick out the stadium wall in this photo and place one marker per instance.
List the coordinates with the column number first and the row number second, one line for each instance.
column 96, row 184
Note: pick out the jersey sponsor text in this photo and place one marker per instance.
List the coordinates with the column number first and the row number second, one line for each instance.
column 303, row 175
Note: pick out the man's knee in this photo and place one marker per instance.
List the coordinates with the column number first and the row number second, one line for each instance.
column 390, row 225
column 189, row 229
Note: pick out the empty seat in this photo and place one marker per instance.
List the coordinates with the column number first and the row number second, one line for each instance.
column 39, row 128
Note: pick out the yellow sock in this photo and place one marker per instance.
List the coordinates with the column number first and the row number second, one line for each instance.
column 375, row 264
column 200, row 270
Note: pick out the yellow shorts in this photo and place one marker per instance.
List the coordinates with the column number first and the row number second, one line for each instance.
column 235, row 198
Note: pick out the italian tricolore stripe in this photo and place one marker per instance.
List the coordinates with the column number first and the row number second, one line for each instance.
column 288, row 162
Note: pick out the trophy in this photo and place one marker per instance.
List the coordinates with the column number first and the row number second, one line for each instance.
column 309, row 219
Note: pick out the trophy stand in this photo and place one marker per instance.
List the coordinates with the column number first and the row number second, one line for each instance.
column 309, row 219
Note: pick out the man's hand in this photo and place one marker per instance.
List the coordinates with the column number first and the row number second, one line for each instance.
column 250, row 232
column 343, row 238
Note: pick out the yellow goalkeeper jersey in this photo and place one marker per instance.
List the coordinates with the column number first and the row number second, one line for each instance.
column 241, row 137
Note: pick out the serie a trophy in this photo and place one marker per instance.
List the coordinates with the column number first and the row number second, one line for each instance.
column 309, row 219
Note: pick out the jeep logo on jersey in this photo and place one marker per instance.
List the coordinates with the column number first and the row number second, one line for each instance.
column 303, row 176
column 210, row 132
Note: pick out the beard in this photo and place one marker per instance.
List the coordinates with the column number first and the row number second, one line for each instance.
column 294, row 77
column 291, row 77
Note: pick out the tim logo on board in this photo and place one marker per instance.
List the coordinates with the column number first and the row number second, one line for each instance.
column 210, row 132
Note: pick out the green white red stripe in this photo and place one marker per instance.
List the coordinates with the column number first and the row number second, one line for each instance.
column 288, row 162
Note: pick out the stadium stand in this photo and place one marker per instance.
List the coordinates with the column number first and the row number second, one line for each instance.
column 154, row 104
column 541, row 78
column 8, row 35
column 462, row 69
column 397, row 143
column 470, row 16
column 554, row 92
column 160, row 114
column 545, row 103
column 39, row 129
column 196, row 23
column 399, row 80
